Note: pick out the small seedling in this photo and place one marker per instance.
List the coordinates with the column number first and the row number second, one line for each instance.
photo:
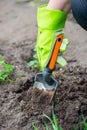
column 34, row 64
column 84, row 123
column 46, row 125
column 5, row 70
column 53, row 121
column 34, row 126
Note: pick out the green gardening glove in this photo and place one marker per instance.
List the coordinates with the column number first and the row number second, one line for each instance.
column 50, row 24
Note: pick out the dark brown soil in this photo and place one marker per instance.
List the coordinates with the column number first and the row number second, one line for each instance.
column 70, row 99
column 22, row 105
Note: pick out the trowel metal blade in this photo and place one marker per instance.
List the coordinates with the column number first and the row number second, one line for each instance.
column 41, row 83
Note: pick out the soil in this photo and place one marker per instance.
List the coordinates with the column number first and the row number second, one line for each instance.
column 20, row 103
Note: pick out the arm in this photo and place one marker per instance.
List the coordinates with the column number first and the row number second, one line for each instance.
column 51, row 20
column 63, row 5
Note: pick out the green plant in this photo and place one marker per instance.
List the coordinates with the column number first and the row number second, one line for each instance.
column 34, row 126
column 84, row 123
column 53, row 121
column 34, row 64
column 5, row 70
column 46, row 125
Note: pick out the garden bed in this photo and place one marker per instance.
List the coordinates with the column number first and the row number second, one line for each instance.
column 22, row 105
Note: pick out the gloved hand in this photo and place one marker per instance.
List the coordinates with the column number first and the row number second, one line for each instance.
column 50, row 24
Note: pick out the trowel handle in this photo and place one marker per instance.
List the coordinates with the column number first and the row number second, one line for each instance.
column 55, row 52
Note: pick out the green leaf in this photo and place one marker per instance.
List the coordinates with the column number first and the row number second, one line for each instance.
column 54, row 117
column 55, row 120
column 60, row 128
column 54, row 128
column 33, row 64
column 61, row 61
column 35, row 56
column 48, row 118
column 6, row 69
column 46, row 125
column 64, row 45
column 34, row 126
column 1, row 58
column 84, row 124
column 35, row 49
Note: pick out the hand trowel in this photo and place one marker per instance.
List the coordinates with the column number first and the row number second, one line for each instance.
column 44, row 80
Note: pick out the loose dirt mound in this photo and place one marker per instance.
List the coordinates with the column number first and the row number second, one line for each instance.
column 70, row 99
column 37, row 103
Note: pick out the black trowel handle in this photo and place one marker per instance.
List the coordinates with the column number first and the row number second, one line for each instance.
column 54, row 55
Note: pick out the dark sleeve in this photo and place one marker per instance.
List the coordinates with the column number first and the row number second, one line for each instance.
column 79, row 10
